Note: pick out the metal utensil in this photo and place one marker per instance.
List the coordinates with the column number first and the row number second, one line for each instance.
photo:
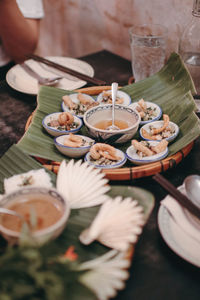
column 50, row 81
column 114, row 96
column 7, row 211
column 192, row 187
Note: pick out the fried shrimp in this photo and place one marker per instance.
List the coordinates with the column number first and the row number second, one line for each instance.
column 142, row 104
column 103, row 150
column 161, row 129
column 160, row 146
column 65, row 118
column 73, row 141
column 148, row 136
column 142, row 148
column 83, row 99
column 68, row 101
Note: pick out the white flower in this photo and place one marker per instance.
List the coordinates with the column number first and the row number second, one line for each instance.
column 106, row 274
column 82, row 185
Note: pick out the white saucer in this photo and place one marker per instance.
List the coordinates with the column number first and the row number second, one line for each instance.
column 20, row 80
column 174, row 237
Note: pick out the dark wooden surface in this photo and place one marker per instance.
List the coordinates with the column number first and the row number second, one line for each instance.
column 156, row 272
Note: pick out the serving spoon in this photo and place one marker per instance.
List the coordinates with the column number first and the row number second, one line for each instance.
column 192, row 187
column 114, row 95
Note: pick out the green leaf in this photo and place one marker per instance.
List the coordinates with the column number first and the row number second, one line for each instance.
column 171, row 88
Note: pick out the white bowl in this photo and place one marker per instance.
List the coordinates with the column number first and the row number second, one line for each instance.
column 137, row 160
column 76, row 101
column 56, row 132
column 158, row 124
column 72, row 151
column 104, row 112
column 115, row 165
column 45, row 234
column 156, row 107
column 120, row 94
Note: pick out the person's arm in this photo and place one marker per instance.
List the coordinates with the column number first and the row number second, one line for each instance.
column 18, row 34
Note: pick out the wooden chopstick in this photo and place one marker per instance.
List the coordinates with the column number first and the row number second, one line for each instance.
column 57, row 66
column 175, row 193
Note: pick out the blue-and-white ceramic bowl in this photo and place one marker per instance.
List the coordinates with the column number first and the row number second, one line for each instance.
column 137, row 160
column 104, row 112
column 158, row 124
column 157, row 111
column 120, row 94
column 115, row 165
column 56, row 132
column 76, row 101
column 72, row 151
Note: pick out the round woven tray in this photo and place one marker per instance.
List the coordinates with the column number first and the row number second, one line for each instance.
column 124, row 173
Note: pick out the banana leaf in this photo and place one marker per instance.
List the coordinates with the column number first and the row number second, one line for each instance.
column 15, row 161
column 171, row 88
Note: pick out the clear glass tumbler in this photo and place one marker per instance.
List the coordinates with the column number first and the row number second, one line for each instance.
column 148, row 49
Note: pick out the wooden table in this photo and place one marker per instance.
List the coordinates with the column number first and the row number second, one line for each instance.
column 156, row 272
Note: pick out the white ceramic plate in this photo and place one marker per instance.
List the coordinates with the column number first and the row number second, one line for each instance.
column 72, row 151
column 120, row 94
column 156, row 107
column 158, row 124
column 118, row 164
column 56, row 132
column 20, row 80
column 174, row 237
column 137, row 160
column 75, row 100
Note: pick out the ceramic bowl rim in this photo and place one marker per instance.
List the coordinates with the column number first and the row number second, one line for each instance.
column 155, row 118
column 49, row 230
column 103, row 107
column 61, row 131
column 74, row 148
column 120, row 163
column 68, row 110
column 145, row 160
column 170, row 138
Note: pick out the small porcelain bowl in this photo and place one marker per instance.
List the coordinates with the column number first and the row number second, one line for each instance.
column 76, row 101
column 73, row 151
column 158, row 124
column 120, row 94
column 56, row 132
column 155, row 107
column 137, row 160
column 115, row 165
column 104, row 112
column 50, row 200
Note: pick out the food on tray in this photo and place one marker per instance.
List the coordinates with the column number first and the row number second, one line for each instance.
column 39, row 212
column 146, row 111
column 107, row 98
column 65, row 121
column 76, row 141
column 33, row 178
column 158, row 133
column 83, row 102
column 144, row 148
column 104, row 154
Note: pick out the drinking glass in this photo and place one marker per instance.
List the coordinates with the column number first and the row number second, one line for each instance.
column 148, row 49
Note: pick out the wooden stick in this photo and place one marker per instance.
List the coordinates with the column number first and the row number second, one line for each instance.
column 50, row 63
column 175, row 193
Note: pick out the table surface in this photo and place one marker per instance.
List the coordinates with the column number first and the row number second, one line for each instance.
column 156, row 271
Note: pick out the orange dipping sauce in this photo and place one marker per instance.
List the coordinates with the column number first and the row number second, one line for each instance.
column 47, row 212
column 106, row 123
